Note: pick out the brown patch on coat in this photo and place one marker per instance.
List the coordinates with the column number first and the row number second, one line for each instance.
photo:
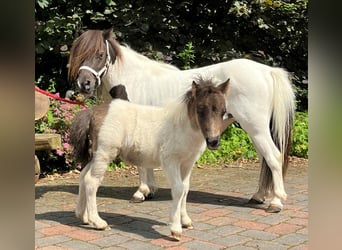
column 119, row 92
column 99, row 114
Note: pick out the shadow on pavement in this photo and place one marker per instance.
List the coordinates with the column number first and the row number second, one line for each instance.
column 127, row 223
column 163, row 194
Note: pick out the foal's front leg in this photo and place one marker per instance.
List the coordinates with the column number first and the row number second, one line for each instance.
column 172, row 172
column 147, row 186
column 185, row 219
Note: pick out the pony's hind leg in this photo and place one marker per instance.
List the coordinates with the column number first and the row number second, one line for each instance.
column 271, row 178
column 147, row 186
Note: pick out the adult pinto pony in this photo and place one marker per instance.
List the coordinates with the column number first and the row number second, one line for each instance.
column 173, row 137
column 261, row 99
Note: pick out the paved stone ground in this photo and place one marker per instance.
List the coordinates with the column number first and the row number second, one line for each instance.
column 216, row 204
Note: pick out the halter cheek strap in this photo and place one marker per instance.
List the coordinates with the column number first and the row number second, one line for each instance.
column 104, row 69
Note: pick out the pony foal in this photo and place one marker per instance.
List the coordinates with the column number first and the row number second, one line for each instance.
column 173, row 137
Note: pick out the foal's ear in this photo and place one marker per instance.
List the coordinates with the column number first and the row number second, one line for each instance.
column 223, row 87
column 107, row 33
column 193, row 88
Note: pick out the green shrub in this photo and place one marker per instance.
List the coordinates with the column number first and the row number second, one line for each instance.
column 236, row 143
column 300, row 145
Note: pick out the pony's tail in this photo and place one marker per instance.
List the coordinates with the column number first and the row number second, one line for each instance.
column 281, row 122
column 79, row 136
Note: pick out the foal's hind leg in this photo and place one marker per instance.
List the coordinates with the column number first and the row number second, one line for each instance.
column 92, row 180
column 147, row 186
column 81, row 211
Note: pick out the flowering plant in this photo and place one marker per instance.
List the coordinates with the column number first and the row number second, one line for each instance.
column 57, row 121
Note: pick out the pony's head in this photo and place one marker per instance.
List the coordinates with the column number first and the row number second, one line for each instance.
column 90, row 57
column 206, row 108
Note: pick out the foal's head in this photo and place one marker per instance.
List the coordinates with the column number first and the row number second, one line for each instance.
column 206, row 107
column 90, row 57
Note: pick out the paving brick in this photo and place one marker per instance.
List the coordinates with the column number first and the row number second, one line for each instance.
column 259, row 235
column 283, row 228
column 293, row 239
column 266, row 245
column 231, row 240
column 84, row 235
column 51, row 248
column 202, row 245
column 108, row 241
column 79, row 245
column 55, row 230
column 169, row 242
column 251, row 225
column 51, row 240
column 226, row 230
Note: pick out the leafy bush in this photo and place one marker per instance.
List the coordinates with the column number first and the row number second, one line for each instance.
column 300, row 145
column 273, row 32
column 236, row 143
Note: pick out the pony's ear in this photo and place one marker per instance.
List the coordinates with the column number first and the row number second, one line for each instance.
column 223, row 87
column 193, row 88
column 107, row 34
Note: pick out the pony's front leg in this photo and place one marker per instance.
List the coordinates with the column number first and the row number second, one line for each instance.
column 147, row 186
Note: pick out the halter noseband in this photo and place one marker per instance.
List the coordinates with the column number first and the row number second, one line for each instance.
column 104, row 69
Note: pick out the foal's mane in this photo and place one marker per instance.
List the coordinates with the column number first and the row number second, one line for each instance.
column 205, row 81
column 87, row 45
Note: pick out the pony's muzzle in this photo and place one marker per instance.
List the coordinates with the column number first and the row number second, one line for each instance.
column 213, row 142
column 85, row 87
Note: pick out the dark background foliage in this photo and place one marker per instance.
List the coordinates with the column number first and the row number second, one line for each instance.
column 272, row 32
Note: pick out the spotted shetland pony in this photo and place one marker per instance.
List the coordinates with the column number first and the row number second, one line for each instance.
column 173, row 137
column 261, row 99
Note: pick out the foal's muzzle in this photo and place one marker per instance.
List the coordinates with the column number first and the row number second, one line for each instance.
column 213, row 142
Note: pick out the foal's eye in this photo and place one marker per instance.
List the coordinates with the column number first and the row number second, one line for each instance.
column 200, row 111
column 100, row 56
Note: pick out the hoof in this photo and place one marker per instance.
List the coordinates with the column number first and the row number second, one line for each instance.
column 188, row 226
column 106, row 228
column 254, row 201
column 136, row 200
column 273, row 209
column 176, row 236
column 149, row 196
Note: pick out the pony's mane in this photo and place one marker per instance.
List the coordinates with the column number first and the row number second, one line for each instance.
column 86, row 45
column 129, row 51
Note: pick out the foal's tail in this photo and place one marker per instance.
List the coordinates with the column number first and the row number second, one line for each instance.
column 281, row 122
column 79, row 136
